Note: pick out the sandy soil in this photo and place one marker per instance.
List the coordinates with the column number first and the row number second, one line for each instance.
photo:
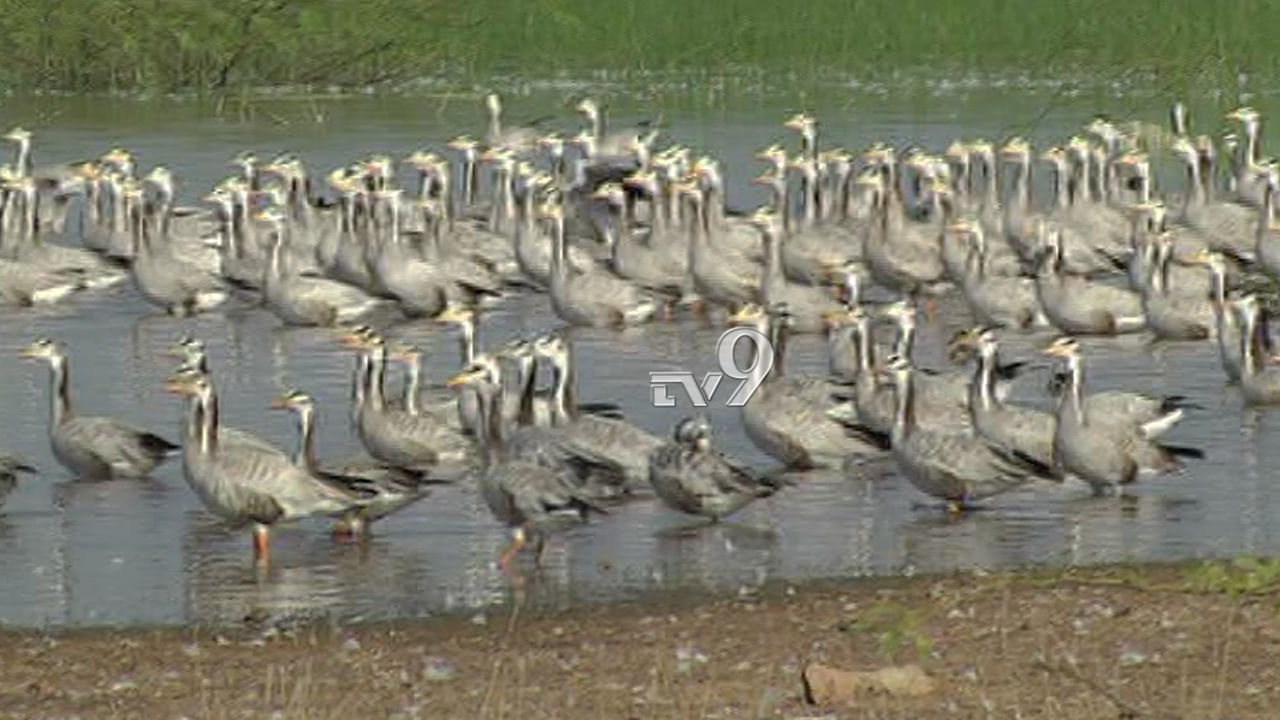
column 1162, row 642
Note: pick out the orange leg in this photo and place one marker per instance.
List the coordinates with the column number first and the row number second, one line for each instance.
column 261, row 544
column 517, row 542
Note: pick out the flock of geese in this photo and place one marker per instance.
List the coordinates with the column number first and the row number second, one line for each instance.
column 619, row 232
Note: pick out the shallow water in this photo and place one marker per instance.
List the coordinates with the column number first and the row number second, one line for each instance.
column 74, row 553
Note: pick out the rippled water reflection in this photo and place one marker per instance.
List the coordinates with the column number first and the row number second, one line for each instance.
column 74, row 553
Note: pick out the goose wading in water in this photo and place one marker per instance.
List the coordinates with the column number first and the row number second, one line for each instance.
column 1259, row 374
column 306, row 299
column 807, row 305
column 597, row 438
column 394, row 435
column 957, row 466
column 530, row 498
column 179, row 287
column 393, row 488
column 246, row 486
column 1026, row 431
column 1080, row 306
column 1104, row 450
column 787, row 416
column 591, row 298
column 691, row 477
column 94, row 448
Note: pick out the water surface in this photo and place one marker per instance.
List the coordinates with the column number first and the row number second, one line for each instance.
column 73, row 553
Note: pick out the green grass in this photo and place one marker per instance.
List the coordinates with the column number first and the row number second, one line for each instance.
column 77, row 45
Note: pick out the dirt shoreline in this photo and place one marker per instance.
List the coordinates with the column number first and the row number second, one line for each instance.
column 1171, row 641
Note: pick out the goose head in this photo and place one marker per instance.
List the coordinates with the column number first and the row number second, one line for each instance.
column 44, row 348
column 295, row 400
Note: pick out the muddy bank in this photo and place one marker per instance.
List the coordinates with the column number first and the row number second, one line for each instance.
column 1168, row 641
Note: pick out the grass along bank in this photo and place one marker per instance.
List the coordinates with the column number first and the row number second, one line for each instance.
column 1191, row 641
column 125, row 45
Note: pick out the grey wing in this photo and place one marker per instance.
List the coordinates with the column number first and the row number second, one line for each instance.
column 967, row 460
column 296, row 491
column 729, row 477
column 117, row 444
column 538, row 492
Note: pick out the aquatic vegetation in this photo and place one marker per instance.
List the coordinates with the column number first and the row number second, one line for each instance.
column 189, row 45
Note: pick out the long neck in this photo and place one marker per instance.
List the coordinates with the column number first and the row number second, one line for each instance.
column 467, row 340
column 773, row 253
column 1195, row 188
column 1075, row 386
column 866, row 359
column 468, row 178
column 360, row 379
column 209, row 423
column 413, row 380
column 1060, row 187
column 597, row 126
column 985, row 380
column 904, row 420
column 377, row 377
column 275, row 270
column 1218, row 275
column 558, row 251
column 562, row 381
column 1248, row 343
column 1253, row 150
column 495, row 123
column 1023, row 189
column 781, row 334
column 24, row 158
column 59, row 391
column 906, row 340
column 526, row 378
column 811, row 195
column 306, row 454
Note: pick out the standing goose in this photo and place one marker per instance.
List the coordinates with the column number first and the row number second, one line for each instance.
column 246, row 486
column 872, row 407
column 1259, row 378
column 957, row 466
column 519, row 139
column 591, row 298
column 807, row 305
column 530, row 498
column 1026, row 431
column 1226, row 324
column 596, row 438
column 1225, row 226
column 393, row 488
column 787, row 416
column 94, row 448
column 996, row 300
column 1172, row 315
column 305, row 299
column 179, row 287
column 902, row 256
column 10, row 466
column 718, row 275
column 1080, row 306
column 1105, row 450
column 393, row 435
column 690, row 477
